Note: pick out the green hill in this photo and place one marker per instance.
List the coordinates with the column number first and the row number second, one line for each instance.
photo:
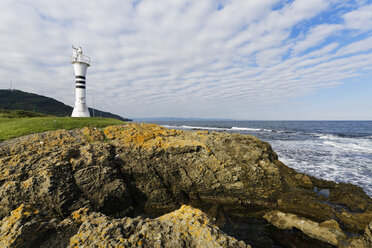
column 16, row 99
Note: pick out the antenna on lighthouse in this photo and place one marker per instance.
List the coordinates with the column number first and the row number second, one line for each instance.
column 80, row 62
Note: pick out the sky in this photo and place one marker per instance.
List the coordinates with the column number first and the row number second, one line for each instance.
column 237, row 59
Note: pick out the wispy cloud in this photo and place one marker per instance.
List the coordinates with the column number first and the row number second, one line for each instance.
column 359, row 19
column 185, row 58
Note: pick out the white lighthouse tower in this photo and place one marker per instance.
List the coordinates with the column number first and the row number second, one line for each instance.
column 80, row 63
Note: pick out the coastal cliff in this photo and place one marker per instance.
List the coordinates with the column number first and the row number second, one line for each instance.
column 142, row 185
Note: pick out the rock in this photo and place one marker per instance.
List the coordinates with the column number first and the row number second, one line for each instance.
column 186, row 227
column 61, row 172
column 93, row 134
column 328, row 231
column 364, row 241
column 25, row 227
column 148, row 170
column 169, row 168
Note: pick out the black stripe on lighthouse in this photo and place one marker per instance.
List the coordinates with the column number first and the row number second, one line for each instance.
column 80, row 82
column 82, row 77
column 80, row 86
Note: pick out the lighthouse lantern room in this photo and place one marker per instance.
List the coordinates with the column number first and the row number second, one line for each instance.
column 80, row 62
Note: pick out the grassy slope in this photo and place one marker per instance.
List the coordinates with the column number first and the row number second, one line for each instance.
column 4, row 113
column 16, row 127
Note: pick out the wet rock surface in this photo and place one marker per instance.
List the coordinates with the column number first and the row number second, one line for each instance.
column 122, row 172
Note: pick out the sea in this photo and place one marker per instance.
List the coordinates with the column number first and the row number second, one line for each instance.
column 340, row 151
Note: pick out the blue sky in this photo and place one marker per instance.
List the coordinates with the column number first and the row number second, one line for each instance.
column 260, row 60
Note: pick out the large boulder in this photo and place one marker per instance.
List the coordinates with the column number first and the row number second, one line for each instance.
column 148, row 170
column 186, row 227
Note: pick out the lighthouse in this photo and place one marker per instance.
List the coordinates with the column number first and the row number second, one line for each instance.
column 80, row 62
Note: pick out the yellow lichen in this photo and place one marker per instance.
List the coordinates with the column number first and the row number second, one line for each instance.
column 150, row 136
column 80, row 215
column 27, row 183
column 10, row 225
column 92, row 134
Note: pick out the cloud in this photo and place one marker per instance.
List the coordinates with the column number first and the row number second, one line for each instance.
column 359, row 19
column 364, row 45
column 184, row 58
column 316, row 36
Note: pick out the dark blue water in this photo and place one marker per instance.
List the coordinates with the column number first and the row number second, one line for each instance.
column 340, row 151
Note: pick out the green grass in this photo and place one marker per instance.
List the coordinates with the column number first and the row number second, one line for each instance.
column 16, row 127
column 4, row 113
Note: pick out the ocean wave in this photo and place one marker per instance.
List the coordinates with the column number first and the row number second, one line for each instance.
column 193, row 127
column 325, row 137
column 202, row 128
column 341, row 136
column 356, row 144
column 220, row 128
column 245, row 129
column 339, row 168
column 328, row 137
column 170, row 127
column 360, row 147
column 242, row 129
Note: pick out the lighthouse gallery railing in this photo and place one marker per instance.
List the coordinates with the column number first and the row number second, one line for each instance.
column 80, row 58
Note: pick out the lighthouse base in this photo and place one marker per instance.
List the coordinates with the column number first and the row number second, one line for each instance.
column 80, row 110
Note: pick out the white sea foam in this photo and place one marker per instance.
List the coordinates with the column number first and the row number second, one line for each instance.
column 245, row 129
column 362, row 145
column 170, row 127
column 327, row 137
column 219, row 128
column 352, row 147
column 330, row 159
column 193, row 127
column 202, row 128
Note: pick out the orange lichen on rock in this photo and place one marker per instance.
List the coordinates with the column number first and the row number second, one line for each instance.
column 11, row 226
column 134, row 133
column 187, row 225
column 57, row 139
column 93, row 134
column 192, row 223
column 4, row 173
column 27, row 183
column 150, row 136
column 80, row 215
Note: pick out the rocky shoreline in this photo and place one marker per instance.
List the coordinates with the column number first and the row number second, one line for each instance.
column 142, row 185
